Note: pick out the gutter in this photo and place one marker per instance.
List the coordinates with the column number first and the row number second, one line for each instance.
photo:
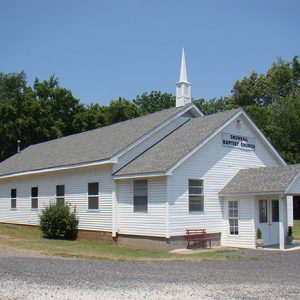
column 60, row 168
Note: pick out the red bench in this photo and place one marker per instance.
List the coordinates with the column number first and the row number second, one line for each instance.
column 197, row 237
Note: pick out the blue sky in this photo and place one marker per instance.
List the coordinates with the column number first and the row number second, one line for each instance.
column 105, row 49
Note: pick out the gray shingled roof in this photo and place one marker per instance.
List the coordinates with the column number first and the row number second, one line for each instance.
column 89, row 146
column 262, row 180
column 167, row 152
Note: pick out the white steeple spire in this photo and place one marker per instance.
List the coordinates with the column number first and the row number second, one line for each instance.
column 183, row 77
column 183, row 87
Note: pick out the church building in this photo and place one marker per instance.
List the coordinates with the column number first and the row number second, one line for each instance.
column 144, row 181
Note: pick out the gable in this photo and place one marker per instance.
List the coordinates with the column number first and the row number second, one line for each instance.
column 248, row 129
column 217, row 161
column 294, row 187
column 246, row 142
column 173, row 147
column 179, row 146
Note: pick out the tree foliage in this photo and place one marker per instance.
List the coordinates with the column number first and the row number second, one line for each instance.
column 212, row 106
column 273, row 101
column 46, row 110
column 155, row 101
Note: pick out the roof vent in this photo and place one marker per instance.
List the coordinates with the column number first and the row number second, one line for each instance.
column 238, row 124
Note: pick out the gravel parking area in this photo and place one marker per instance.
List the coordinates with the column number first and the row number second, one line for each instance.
column 261, row 275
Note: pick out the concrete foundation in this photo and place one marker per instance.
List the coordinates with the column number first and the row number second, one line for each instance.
column 94, row 235
column 160, row 243
column 143, row 242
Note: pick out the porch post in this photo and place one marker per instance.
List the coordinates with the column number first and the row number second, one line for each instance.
column 281, row 222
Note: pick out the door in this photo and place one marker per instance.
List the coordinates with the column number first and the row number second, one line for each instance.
column 274, row 226
column 268, row 220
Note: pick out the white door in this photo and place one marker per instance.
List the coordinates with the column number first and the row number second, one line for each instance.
column 274, row 218
column 268, row 218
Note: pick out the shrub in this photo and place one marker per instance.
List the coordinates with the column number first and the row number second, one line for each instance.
column 57, row 221
column 290, row 231
column 259, row 234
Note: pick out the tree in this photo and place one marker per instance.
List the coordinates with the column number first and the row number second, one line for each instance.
column 120, row 110
column 36, row 114
column 212, row 106
column 273, row 101
column 155, row 101
column 20, row 115
column 59, row 102
column 285, row 132
column 281, row 80
column 90, row 117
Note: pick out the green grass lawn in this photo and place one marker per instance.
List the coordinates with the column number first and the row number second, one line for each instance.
column 29, row 239
column 296, row 230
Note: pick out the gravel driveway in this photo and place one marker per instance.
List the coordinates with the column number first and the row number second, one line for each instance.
column 262, row 275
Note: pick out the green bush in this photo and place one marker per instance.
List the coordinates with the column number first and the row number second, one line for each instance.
column 57, row 221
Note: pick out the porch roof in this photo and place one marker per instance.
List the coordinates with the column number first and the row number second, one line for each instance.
column 265, row 180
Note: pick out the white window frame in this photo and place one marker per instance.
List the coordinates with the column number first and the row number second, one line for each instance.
column 93, row 196
column 13, row 198
column 200, row 194
column 235, row 218
column 147, row 197
column 35, row 198
column 60, row 197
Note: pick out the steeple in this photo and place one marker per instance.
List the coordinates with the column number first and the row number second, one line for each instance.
column 183, row 77
column 183, row 87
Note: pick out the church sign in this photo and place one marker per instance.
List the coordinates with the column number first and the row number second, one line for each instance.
column 238, row 141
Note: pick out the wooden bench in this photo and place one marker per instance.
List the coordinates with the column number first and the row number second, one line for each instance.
column 197, row 237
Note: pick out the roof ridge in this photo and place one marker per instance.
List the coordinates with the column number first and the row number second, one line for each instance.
column 274, row 167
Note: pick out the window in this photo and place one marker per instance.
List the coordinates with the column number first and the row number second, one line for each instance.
column 140, row 196
column 263, row 211
column 60, row 194
column 34, row 197
column 196, row 195
column 13, row 198
column 275, row 211
column 233, row 216
column 93, row 197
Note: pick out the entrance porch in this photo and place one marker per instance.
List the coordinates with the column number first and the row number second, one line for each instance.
column 271, row 190
column 272, row 215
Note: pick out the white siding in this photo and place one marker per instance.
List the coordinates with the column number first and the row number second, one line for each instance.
column 150, row 141
column 76, row 190
column 295, row 186
column 216, row 165
column 246, row 236
column 293, row 189
column 152, row 223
